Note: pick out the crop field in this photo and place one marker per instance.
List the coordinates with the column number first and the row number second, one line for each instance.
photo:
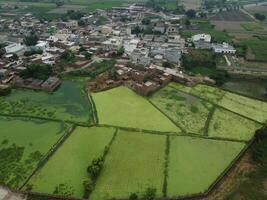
column 189, row 112
column 135, row 161
column 234, row 15
column 225, row 124
column 251, row 108
column 261, row 9
column 124, row 108
column 194, row 163
column 67, row 103
column 227, row 25
column 252, row 26
column 257, row 48
column 191, row 4
column 69, row 164
column 23, row 144
column 208, row 93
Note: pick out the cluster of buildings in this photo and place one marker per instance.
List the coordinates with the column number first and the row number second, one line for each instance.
column 102, row 34
column 203, row 41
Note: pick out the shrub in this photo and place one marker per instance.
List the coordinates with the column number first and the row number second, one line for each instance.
column 150, row 193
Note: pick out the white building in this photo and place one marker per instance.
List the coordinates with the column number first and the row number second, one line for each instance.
column 223, row 48
column 130, row 45
column 140, row 56
column 42, row 45
column 112, row 44
column 201, row 37
column 16, row 48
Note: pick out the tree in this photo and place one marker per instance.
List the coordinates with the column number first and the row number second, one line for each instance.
column 59, row 3
column 68, row 56
column 167, row 65
column 146, row 21
column 31, row 40
column 187, row 22
column 191, row 13
column 37, row 71
column 133, row 196
column 150, row 193
column 95, row 168
column 120, row 51
column 14, row 56
column 259, row 16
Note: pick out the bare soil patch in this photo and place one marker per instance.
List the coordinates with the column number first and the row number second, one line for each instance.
column 235, row 15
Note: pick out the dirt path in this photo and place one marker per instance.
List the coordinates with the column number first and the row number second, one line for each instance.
column 6, row 194
column 244, row 166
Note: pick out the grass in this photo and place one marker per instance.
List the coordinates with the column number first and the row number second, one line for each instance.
column 206, row 92
column 258, row 48
column 134, row 162
column 196, row 163
column 252, row 26
column 69, row 164
column 251, row 108
column 23, row 143
column 122, row 107
column 187, row 111
column 69, row 103
column 225, row 124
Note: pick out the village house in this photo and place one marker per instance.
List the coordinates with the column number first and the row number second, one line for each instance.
column 223, row 48
column 202, row 41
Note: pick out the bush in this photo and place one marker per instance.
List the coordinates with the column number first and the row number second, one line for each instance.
column 150, row 193
column 37, row 71
column 133, row 196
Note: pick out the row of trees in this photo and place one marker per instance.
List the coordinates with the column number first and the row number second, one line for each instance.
column 149, row 194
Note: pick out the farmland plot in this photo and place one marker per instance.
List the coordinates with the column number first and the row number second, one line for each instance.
column 189, row 112
column 225, row 124
column 68, row 166
column 135, row 161
column 208, row 93
column 195, row 163
column 23, row 143
column 67, row 103
column 251, row 108
column 122, row 107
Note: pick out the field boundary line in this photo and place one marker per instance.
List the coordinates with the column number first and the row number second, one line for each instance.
column 44, row 118
column 209, row 118
column 138, row 130
column 219, row 106
column 176, row 124
column 49, row 154
column 166, row 166
column 94, row 110
column 105, row 153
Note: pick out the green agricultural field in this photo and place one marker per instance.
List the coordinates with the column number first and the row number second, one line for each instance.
column 225, row 124
column 69, row 164
column 252, row 26
column 69, row 103
column 135, row 161
column 23, row 143
column 194, row 163
column 189, row 112
column 206, row 92
column 251, row 108
column 122, row 107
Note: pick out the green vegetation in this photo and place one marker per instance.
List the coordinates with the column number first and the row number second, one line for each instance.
column 189, row 112
column 23, row 144
column 68, row 166
column 206, row 27
column 253, row 185
column 206, row 92
column 250, row 108
column 67, row 103
column 36, row 71
column 204, row 62
column 196, row 163
column 134, row 162
column 258, row 49
column 94, row 69
column 252, row 26
column 225, row 124
column 122, row 107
